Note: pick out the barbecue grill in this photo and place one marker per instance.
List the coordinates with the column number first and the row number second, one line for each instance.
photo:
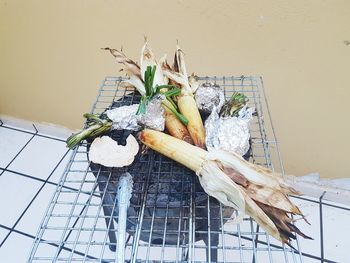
column 170, row 218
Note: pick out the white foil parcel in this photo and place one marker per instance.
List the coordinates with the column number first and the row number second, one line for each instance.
column 208, row 96
column 125, row 117
column 229, row 133
column 154, row 118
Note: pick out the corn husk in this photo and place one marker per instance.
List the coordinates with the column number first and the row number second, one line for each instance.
column 148, row 59
column 131, row 69
column 179, row 62
column 235, row 182
column 194, row 84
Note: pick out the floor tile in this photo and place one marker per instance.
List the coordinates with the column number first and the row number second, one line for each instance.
column 15, row 194
column 57, row 174
column 9, row 250
column 32, row 218
column 40, row 157
column 3, row 233
column 336, row 229
column 11, row 143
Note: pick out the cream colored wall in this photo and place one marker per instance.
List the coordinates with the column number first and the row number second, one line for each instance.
column 51, row 62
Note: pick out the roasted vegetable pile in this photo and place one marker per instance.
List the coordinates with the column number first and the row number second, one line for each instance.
column 169, row 121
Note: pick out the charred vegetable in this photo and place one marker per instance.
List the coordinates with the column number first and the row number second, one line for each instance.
column 234, row 105
column 235, row 182
column 96, row 126
column 174, row 122
column 185, row 101
column 166, row 90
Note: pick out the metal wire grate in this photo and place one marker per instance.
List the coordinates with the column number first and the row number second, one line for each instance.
column 81, row 217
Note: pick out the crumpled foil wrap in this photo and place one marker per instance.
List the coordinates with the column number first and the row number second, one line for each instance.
column 229, row 133
column 208, row 96
column 154, row 117
column 125, row 118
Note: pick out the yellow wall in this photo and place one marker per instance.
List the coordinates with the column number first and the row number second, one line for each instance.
column 51, row 63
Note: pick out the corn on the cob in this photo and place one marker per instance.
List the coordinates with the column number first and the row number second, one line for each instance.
column 174, row 125
column 188, row 108
column 234, row 182
column 186, row 102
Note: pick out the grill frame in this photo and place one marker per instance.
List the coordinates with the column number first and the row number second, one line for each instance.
column 249, row 242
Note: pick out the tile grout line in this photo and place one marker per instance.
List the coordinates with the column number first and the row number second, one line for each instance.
column 51, row 244
column 29, row 132
column 42, row 180
column 18, row 153
column 25, row 210
column 36, row 179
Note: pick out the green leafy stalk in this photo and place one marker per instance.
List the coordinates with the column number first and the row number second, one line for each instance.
column 158, row 88
column 181, row 117
column 152, row 91
column 234, row 105
column 96, row 126
column 172, row 102
column 172, row 92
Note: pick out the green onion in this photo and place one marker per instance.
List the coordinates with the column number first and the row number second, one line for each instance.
column 181, row 117
column 96, row 126
column 172, row 102
column 172, row 92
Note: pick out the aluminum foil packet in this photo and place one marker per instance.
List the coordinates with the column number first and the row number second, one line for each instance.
column 124, row 117
column 208, row 96
column 229, row 133
column 154, row 117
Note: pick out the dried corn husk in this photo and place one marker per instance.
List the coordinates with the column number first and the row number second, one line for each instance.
column 235, row 182
column 148, row 59
column 131, row 69
column 194, row 84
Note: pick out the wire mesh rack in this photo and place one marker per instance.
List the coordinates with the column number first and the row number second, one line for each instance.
column 170, row 218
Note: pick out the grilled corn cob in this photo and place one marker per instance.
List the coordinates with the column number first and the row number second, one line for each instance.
column 235, row 182
column 185, row 101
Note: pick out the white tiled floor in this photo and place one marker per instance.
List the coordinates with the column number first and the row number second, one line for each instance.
column 3, row 233
column 46, row 152
column 15, row 194
column 29, row 223
column 21, row 182
column 24, row 185
column 16, row 248
column 11, row 143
